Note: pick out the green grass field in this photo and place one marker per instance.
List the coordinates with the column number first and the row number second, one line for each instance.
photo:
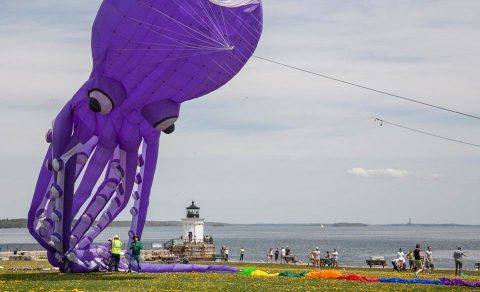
column 38, row 280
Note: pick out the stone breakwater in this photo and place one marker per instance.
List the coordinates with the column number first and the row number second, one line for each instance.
column 23, row 255
column 194, row 252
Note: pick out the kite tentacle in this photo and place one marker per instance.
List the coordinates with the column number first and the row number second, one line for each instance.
column 120, row 200
column 147, row 162
column 98, row 202
column 61, row 191
column 95, row 167
column 37, row 224
column 40, row 223
column 83, row 233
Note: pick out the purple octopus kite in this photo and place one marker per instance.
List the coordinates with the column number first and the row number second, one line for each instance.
column 149, row 56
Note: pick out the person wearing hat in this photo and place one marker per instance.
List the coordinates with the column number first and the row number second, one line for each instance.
column 135, row 247
column 115, row 257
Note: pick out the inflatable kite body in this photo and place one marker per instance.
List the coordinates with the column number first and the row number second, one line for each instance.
column 149, row 56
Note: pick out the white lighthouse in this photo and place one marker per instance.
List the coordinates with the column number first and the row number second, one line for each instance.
column 193, row 225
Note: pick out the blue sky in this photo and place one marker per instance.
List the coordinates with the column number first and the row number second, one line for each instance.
column 275, row 145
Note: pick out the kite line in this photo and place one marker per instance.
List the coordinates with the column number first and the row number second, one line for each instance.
column 367, row 88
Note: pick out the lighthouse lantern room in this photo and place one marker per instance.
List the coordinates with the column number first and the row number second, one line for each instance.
column 193, row 225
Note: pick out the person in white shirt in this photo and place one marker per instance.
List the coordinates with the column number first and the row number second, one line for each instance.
column 429, row 260
column 226, row 254
column 335, row 258
column 283, row 253
column 400, row 254
column 316, row 257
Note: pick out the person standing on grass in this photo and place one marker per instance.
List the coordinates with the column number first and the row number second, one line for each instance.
column 417, row 254
column 242, row 253
column 429, row 260
column 222, row 252
column 311, row 258
column 335, row 258
column 282, row 258
column 226, row 254
column 135, row 247
column 270, row 255
column 277, row 253
column 316, row 257
column 411, row 260
column 115, row 251
column 328, row 259
column 458, row 257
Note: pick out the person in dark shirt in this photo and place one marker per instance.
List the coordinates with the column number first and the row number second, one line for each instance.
column 287, row 251
column 417, row 254
column 277, row 253
column 242, row 254
column 458, row 257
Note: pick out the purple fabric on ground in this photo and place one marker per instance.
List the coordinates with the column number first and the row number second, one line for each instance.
column 460, row 282
column 182, row 268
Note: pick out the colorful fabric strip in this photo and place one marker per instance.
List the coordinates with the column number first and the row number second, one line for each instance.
column 334, row 274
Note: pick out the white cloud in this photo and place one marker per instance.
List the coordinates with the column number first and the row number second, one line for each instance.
column 392, row 173
column 387, row 172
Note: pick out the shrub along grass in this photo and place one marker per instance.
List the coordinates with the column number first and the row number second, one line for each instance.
column 42, row 280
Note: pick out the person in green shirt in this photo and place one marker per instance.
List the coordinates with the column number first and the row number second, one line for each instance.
column 116, row 250
column 135, row 247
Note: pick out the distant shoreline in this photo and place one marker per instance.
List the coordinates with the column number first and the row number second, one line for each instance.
column 22, row 223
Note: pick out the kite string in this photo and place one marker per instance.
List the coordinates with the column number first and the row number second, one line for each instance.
column 381, row 121
column 252, row 31
column 177, row 57
column 366, row 87
column 186, row 44
column 225, row 25
column 161, row 28
column 196, row 17
column 181, row 24
column 218, row 26
column 207, row 44
column 214, row 81
column 223, row 68
column 212, row 22
column 152, row 26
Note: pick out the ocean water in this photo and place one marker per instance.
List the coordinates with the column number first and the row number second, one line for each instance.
column 354, row 244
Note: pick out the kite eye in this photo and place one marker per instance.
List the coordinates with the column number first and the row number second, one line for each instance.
column 167, row 125
column 100, row 102
column 162, row 115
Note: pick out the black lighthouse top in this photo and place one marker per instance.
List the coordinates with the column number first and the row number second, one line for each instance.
column 193, row 211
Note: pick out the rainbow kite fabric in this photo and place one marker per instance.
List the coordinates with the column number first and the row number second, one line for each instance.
column 334, row 274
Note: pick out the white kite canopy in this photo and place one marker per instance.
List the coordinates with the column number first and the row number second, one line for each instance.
column 234, row 3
